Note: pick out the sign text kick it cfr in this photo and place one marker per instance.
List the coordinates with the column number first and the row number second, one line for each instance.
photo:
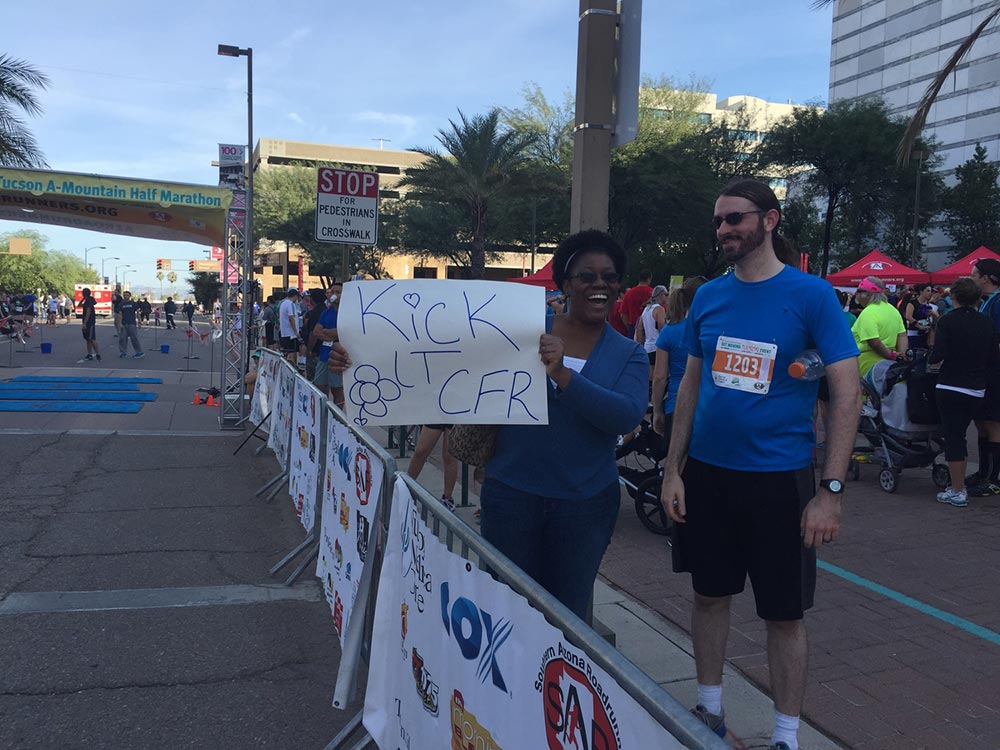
column 346, row 206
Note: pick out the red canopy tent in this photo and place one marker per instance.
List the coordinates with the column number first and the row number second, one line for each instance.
column 880, row 266
column 541, row 277
column 962, row 266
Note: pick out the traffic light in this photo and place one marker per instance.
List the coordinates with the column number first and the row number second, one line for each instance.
column 159, row 264
column 190, row 265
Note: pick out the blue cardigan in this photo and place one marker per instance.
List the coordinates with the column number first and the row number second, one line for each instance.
column 573, row 456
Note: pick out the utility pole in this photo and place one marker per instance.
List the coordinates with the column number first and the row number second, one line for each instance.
column 595, row 85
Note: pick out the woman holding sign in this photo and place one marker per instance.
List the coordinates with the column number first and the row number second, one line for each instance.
column 551, row 495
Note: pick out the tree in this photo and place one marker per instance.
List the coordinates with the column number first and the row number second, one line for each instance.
column 206, row 288
column 172, row 278
column 48, row 270
column 849, row 151
column 483, row 163
column 972, row 205
column 18, row 81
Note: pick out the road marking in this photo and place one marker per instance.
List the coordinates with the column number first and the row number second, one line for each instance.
column 959, row 622
column 47, row 602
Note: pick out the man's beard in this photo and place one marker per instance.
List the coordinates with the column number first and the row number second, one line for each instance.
column 747, row 243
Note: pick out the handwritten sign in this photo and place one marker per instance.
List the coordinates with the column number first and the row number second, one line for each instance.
column 428, row 351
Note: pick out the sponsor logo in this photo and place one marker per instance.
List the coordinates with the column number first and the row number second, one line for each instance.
column 877, row 265
column 479, row 637
column 363, row 477
column 338, row 554
column 345, row 512
column 404, row 625
column 338, row 614
column 578, row 713
column 466, row 732
column 161, row 216
column 344, row 460
column 364, row 527
column 413, row 544
column 427, row 689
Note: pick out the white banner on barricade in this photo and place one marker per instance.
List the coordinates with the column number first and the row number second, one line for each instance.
column 458, row 655
column 260, row 404
column 281, row 412
column 352, row 485
column 303, row 473
column 430, row 351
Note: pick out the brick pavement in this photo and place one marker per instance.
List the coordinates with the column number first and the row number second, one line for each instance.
column 882, row 674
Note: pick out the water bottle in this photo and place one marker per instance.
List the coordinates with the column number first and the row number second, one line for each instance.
column 807, row 365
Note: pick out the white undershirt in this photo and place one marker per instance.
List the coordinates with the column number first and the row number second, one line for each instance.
column 573, row 363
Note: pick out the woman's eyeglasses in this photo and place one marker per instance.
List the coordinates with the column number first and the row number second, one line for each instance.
column 733, row 219
column 589, row 277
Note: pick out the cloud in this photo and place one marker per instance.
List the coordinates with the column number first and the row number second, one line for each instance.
column 407, row 122
column 294, row 117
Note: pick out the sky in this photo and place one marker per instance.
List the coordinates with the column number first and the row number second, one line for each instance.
column 138, row 90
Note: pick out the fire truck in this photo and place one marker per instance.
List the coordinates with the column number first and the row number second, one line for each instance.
column 102, row 298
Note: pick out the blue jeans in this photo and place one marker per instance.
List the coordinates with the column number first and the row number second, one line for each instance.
column 557, row 542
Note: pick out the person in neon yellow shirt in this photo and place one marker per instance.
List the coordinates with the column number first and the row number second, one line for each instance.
column 879, row 331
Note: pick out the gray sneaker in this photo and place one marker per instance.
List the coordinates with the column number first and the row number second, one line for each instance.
column 138, row 355
column 715, row 722
column 949, row 496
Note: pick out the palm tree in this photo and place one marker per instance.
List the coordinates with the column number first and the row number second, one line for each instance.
column 18, row 80
column 930, row 95
column 171, row 277
column 482, row 163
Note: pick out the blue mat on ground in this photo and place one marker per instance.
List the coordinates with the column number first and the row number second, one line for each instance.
column 98, row 407
column 34, row 395
column 48, row 386
column 60, row 379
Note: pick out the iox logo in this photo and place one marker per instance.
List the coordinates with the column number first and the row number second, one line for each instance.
column 471, row 637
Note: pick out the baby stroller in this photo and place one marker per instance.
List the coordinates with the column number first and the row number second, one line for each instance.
column 639, row 454
column 900, row 422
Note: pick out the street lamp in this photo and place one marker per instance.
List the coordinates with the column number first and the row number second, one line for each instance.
column 229, row 50
column 123, row 265
column 87, row 250
column 919, row 156
column 110, row 257
column 126, row 273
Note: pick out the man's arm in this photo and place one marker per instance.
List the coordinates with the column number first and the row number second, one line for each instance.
column 821, row 517
column 672, row 492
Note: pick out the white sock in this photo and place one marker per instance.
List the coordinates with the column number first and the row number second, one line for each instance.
column 710, row 698
column 786, row 729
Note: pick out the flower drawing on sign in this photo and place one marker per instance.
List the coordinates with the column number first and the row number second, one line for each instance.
column 370, row 393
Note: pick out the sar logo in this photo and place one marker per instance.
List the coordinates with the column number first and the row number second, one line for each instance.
column 578, row 713
column 427, row 689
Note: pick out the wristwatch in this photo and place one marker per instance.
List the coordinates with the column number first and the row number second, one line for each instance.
column 832, row 485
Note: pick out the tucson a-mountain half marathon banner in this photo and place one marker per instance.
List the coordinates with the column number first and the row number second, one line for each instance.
column 352, row 486
column 461, row 661
column 305, row 458
column 116, row 205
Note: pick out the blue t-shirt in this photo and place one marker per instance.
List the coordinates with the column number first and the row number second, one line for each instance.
column 762, row 327
column 327, row 319
column 671, row 340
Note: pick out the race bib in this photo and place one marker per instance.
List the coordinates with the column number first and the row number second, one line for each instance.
column 744, row 365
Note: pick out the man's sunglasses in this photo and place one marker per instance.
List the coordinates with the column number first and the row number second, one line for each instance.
column 734, row 218
column 589, row 277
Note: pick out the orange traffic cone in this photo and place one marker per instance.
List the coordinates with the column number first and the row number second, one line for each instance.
column 196, row 401
column 212, row 401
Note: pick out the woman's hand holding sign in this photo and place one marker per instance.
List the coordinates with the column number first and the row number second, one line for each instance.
column 340, row 360
column 551, row 350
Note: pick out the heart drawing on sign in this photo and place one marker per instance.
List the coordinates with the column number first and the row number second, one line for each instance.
column 412, row 299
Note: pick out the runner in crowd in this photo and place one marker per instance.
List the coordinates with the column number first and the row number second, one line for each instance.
column 428, row 438
column 651, row 320
column 116, row 311
column 129, row 328
column 671, row 358
column 188, row 309
column 89, row 326
column 170, row 310
column 53, row 307
column 919, row 316
column 964, row 348
column 879, row 331
column 289, row 324
column 634, row 301
column 325, row 333
column 743, row 437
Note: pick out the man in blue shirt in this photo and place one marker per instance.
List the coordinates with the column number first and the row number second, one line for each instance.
column 743, row 431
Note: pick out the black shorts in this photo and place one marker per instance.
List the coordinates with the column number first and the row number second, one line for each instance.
column 90, row 331
column 289, row 344
column 743, row 522
column 989, row 409
column 269, row 333
column 957, row 410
